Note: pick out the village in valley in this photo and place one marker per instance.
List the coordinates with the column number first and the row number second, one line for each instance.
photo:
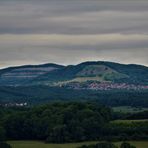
column 104, row 86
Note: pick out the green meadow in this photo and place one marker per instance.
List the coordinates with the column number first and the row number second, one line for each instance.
column 129, row 109
column 129, row 121
column 38, row 144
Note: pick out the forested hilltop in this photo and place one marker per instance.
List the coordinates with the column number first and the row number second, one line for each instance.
column 58, row 75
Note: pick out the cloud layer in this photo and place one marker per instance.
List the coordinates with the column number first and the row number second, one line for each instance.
column 69, row 32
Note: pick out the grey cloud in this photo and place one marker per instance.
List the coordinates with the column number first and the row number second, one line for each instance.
column 127, row 49
column 63, row 55
column 73, row 17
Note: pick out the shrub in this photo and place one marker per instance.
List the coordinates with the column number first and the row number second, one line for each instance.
column 4, row 145
column 126, row 145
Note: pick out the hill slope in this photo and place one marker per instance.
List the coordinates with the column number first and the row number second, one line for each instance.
column 23, row 74
column 111, row 83
column 97, row 71
column 57, row 75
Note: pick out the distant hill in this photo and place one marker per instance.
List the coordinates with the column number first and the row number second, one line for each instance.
column 110, row 83
column 58, row 75
column 22, row 75
column 96, row 71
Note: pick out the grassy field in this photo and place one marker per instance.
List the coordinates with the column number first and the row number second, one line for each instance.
column 129, row 109
column 37, row 144
column 129, row 121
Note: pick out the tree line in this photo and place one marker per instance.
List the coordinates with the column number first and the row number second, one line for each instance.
column 43, row 94
column 62, row 122
column 3, row 144
column 56, row 122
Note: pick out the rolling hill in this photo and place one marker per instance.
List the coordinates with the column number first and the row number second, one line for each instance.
column 96, row 71
column 111, row 83
column 105, row 73
column 22, row 75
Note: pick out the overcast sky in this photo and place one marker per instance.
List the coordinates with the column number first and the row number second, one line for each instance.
column 73, row 31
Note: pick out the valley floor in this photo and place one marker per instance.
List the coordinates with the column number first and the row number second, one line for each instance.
column 38, row 144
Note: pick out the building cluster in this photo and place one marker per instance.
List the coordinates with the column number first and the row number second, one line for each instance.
column 14, row 104
column 106, row 86
column 109, row 86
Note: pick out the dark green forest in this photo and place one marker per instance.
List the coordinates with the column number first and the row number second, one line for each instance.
column 56, row 122
column 43, row 94
column 61, row 122
column 3, row 138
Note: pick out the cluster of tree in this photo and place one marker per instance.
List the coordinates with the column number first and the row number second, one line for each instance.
column 61, row 122
column 2, row 138
column 107, row 145
column 57, row 122
column 2, row 134
column 126, row 131
column 4, row 145
column 139, row 115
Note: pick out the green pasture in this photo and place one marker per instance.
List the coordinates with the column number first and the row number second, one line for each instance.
column 129, row 109
column 38, row 144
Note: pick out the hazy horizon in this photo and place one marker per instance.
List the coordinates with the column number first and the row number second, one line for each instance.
column 36, row 64
column 71, row 32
